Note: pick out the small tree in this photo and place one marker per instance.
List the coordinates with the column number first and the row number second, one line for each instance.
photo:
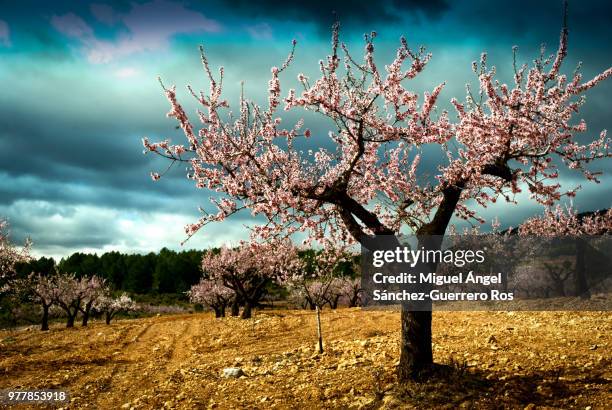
column 10, row 255
column 352, row 292
column 213, row 294
column 112, row 306
column 248, row 269
column 318, row 281
column 560, row 221
column 70, row 294
column 95, row 288
column 41, row 290
column 310, row 293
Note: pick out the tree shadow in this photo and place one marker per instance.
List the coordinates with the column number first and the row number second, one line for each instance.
column 458, row 386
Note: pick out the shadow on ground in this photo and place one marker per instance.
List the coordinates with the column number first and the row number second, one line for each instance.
column 458, row 386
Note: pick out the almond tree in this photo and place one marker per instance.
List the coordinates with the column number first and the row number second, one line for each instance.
column 248, row 269
column 112, row 306
column 352, row 292
column 560, row 220
column 95, row 287
column 565, row 221
column 213, row 294
column 9, row 256
column 70, row 294
column 41, row 290
column 505, row 139
column 317, row 280
column 311, row 293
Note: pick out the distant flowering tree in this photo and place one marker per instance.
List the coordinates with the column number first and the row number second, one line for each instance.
column 41, row 290
column 311, row 293
column 70, row 294
column 565, row 221
column 318, row 281
column 112, row 306
column 560, row 220
column 10, row 254
column 213, row 294
column 95, row 287
column 248, row 269
column 505, row 139
column 352, row 292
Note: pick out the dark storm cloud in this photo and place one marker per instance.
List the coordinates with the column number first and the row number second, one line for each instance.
column 71, row 161
column 352, row 13
column 528, row 19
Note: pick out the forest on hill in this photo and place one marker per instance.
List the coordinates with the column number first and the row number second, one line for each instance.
column 167, row 271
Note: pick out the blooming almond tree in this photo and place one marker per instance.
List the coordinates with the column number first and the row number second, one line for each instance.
column 112, row 306
column 213, row 294
column 70, row 294
column 248, row 269
column 369, row 181
column 317, row 281
column 311, row 293
column 9, row 256
column 95, row 288
column 41, row 290
column 352, row 292
column 560, row 220
column 565, row 221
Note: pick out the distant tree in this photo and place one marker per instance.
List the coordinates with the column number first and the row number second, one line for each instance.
column 113, row 268
column 112, row 306
column 352, row 292
column 213, row 294
column 319, row 281
column 10, row 255
column 165, row 274
column 43, row 265
column 42, row 290
column 139, row 273
column 559, row 221
column 249, row 268
column 70, row 294
column 95, row 287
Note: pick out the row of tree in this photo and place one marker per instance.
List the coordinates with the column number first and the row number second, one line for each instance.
column 242, row 276
column 72, row 296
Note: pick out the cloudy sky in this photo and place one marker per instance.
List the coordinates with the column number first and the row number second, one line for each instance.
column 79, row 91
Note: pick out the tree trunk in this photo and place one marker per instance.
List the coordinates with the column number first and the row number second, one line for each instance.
column 217, row 312
column 85, row 317
column 246, row 312
column 416, row 354
column 108, row 318
column 580, row 281
column 70, row 320
column 235, row 308
column 45, row 318
column 333, row 302
column 319, row 333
